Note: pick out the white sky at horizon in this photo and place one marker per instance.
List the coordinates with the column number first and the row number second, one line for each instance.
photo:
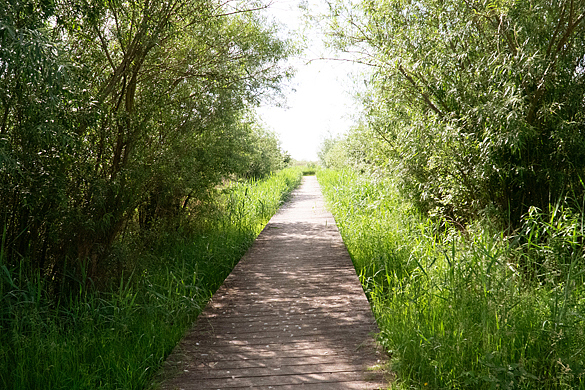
column 320, row 102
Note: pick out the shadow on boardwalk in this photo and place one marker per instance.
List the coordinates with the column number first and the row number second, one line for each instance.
column 292, row 314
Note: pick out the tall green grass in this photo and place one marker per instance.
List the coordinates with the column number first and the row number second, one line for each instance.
column 117, row 339
column 467, row 309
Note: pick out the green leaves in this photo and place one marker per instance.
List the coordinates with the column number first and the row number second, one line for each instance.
column 477, row 97
column 115, row 114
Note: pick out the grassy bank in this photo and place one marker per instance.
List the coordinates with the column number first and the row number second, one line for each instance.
column 467, row 309
column 117, row 339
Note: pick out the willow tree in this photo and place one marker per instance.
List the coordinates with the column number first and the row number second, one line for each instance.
column 154, row 103
column 479, row 104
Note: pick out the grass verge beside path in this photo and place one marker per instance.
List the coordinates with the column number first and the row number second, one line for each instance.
column 118, row 339
column 471, row 309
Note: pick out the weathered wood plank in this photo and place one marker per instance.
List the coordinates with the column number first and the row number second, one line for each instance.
column 292, row 315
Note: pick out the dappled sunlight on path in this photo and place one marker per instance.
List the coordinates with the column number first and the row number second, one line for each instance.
column 292, row 314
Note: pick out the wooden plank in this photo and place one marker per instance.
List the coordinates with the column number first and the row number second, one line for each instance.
column 292, row 315
column 194, row 381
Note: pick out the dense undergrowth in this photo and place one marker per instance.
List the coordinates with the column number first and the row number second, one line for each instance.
column 118, row 338
column 467, row 308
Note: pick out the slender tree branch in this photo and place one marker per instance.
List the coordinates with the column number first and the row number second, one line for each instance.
column 556, row 32
column 105, row 48
column 423, row 94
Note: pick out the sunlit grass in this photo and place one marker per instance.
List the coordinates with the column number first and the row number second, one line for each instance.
column 468, row 309
column 118, row 339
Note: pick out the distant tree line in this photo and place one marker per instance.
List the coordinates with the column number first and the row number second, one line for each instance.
column 476, row 106
column 115, row 115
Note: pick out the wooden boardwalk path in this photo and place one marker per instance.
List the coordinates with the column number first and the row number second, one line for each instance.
column 291, row 315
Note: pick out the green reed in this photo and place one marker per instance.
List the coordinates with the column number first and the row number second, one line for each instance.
column 467, row 308
column 117, row 339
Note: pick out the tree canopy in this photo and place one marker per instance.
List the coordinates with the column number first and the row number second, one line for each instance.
column 475, row 104
column 114, row 113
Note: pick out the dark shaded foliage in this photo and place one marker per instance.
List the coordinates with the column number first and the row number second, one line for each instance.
column 115, row 116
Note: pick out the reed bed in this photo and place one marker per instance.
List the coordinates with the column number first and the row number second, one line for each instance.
column 467, row 308
column 117, row 339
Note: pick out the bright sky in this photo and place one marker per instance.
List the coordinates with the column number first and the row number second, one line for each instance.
column 321, row 102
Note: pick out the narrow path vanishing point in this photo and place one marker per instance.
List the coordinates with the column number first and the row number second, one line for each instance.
column 291, row 315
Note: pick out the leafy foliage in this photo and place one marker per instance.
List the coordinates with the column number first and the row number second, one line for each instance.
column 478, row 104
column 265, row 154
column 115, row 116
